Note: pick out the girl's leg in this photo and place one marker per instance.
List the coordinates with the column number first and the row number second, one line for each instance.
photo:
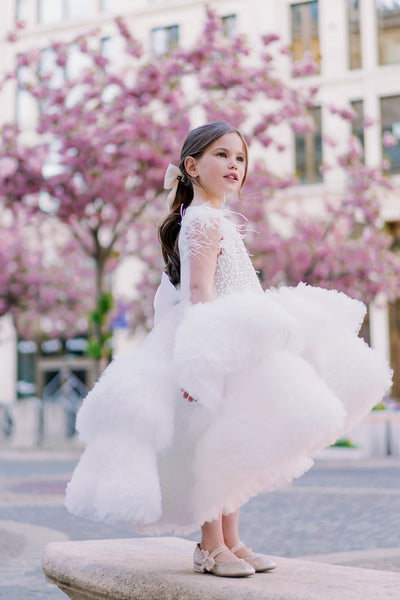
column 212, row 537
column 230, row 530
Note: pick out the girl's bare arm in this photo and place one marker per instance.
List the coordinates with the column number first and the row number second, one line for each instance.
column 203, row 264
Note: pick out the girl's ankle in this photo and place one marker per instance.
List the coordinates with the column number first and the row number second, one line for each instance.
column 231, row 542
column 210, row 545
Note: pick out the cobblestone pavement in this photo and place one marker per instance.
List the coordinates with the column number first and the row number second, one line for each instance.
column 344, row 512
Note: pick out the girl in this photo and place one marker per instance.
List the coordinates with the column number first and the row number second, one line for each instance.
column 234, row 389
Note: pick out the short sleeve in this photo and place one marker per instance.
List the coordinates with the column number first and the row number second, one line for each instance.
column 200, row 232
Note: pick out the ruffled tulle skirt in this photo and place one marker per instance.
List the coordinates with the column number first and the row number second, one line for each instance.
column 275, row 377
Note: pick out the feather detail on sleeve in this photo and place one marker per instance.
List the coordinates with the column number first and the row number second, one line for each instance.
column 200, row 231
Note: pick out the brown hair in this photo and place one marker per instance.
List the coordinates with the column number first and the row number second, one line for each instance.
column 196, row 143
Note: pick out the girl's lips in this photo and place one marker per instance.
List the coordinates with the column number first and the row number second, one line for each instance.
column 231, row 177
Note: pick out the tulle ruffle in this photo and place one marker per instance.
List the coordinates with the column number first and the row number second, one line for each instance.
column 276, row 377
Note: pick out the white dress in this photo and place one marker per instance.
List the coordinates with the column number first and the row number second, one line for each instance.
column 276, row 375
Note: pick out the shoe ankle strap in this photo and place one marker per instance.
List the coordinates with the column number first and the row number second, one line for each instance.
column 237, row 547
column 217, row 551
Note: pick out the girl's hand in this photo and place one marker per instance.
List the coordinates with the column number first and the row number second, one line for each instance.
column 187, row 396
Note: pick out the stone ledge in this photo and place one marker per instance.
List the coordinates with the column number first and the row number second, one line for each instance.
column 161, row 569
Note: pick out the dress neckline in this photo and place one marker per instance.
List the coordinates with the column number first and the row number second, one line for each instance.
column 206, row 205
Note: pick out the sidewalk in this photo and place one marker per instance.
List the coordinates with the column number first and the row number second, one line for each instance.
column 21, row 575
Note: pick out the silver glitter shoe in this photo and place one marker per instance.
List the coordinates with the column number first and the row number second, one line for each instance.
column 259, row 562
column 204, row 562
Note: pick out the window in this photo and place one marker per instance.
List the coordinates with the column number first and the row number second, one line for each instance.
column 76, row 9
column 26, row 368
column 308, row 149
column 107, row 5
column 305, row 30
column 50, row 68
column 354, row 33
column 22, row 10
column 390, row 119
column 25, row 104
column 52, row 166
column 109, row 48
column 52, row 11
column 229, row 26
column 357, row 124
column 164, row 39
column 388, row 21
column 77, row 62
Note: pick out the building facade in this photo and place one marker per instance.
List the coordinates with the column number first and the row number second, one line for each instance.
column 356, row 44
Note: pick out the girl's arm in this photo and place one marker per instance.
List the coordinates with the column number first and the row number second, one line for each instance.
column 202, row 267
column 203, row 264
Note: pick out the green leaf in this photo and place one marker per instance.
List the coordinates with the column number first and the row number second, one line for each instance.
column 105, row 302
column 94, row 349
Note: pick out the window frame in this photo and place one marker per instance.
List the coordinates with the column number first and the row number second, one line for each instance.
column 388, row 151
column 381, row 50
column 359, row 63
column 65, row 12
column 229, row 31
column 170, row 46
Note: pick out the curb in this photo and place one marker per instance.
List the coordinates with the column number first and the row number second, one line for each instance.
column 382, row 559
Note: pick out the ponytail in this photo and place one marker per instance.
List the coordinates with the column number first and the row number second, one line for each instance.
column 168, row 232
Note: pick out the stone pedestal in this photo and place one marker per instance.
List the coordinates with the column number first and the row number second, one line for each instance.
column 161, row 569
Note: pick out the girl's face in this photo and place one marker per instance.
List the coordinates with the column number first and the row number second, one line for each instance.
column 221, row 168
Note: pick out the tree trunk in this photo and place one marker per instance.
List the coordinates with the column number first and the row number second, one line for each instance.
column 99, row 363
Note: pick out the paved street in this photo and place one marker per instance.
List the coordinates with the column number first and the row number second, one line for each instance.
column 349, row 510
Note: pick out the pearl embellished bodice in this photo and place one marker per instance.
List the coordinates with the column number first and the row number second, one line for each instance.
column 234, row 270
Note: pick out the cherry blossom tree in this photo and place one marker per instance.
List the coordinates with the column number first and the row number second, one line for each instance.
column 43, row 283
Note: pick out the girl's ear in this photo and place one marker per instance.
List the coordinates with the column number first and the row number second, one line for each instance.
column 191, row 166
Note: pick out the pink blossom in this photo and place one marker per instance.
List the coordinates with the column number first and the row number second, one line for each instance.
column 368, row 121
column 329, row 141
column 8, row 166
column 307, row 65
column 347, row 113
column 62, row 60
column 389, row 140
column 100, row 60
column 269, row 38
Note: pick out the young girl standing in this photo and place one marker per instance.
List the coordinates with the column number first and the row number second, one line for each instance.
column 234, row 389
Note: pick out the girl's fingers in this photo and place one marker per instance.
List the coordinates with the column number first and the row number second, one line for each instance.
column 187, row 396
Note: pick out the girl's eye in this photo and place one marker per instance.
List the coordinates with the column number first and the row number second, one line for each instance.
column 221, row 154
column 241, row 158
